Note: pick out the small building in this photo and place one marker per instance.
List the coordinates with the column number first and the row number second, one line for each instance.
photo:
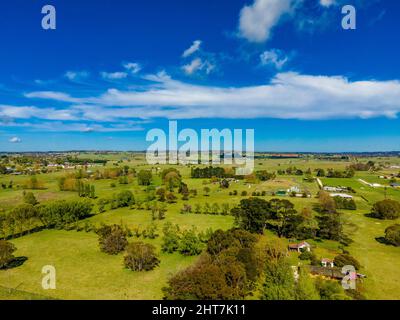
column 280, row 193
column 341, row 195
column 395, row 185
column 294, row 190
column 327, row 263
column 299, row 247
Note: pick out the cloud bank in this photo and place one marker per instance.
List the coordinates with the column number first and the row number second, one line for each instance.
column 288, row 95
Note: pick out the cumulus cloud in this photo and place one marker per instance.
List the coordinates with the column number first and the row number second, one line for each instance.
column 27, row 112
column 132, row 67
column 76, row 75
column 288, row 95
column 256, row 21
column 197, row 65
column 15, row 140
column 192, row 49
column 113, row 75
column 327, row 3
column 274, row 57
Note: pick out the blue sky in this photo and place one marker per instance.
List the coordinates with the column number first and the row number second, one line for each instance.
column 112, row 70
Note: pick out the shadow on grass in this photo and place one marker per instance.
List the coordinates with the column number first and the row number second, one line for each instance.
column 384, row 241
column 14, row 263
column 370, row 215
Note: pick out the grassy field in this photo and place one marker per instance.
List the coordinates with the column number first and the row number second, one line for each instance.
column 83, row 272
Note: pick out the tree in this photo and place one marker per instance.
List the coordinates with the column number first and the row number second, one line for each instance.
column 123, row 199
column 29, row 198
column 6, row 253
column 171, row 198
column 190, row 244
column 330, row 290
column 386, row 209
column 112, row 239
column 330, row 227
column 144, row 177
column 279, row 281
column 204, row 280
column 172, row 179
column 141, row 256
column 392, row 235
column 206, row 191
column 305, row 286
column 326, row 203
column 283, row 217
column 251, row 214
column 161, row 194
column 23, row 216
column 171, row 238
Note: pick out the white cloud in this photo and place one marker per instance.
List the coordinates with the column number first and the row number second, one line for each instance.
column 193, row 66
column 132, row 67
column 15, row 140
column 327, row 3
column 76, row 75
column 287, row 96
column 113, row 75
column 27, row 112
column 197, row 65
column 257, row 20
column 274, row 57
column 192, row 49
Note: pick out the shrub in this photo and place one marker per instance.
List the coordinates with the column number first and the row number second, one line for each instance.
column 112, row 239
column 345, row 259
column 29, row 198
column 307, row 255
column 386, row 209
column 392, row 235
column 141, row 256
column 170, row 240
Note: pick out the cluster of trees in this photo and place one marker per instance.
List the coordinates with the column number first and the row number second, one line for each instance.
column 293, row 171
column 280, row 282
column 207, row 208
column 209, row 172
column 33, row 183
column 280, row 216
column 363, row 166
column 118, row 200
column 264, row 175
column 138, row 256
column 228, row 269
column 346, row 204
column 70, row 183
column 386, row 210
column 187, row 242
column 27, row 217
column 348, row 173
column 8, row 185
column 59, row 213
column 85, row 189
